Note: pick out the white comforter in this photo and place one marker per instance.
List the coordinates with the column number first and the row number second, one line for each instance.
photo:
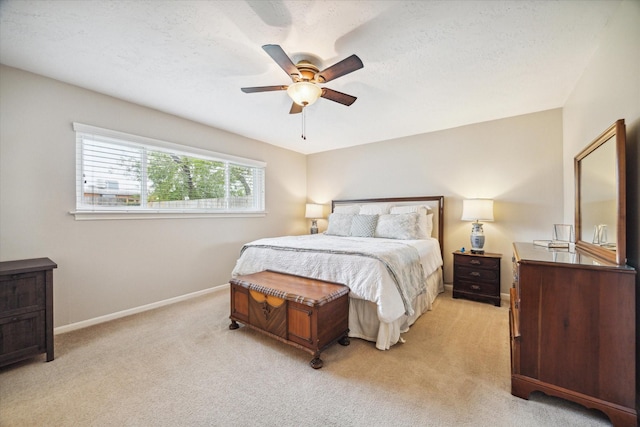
column 368, row 278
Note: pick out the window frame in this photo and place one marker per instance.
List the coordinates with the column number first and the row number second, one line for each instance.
column 129, row 212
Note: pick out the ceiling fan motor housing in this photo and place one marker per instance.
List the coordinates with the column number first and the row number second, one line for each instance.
column 307, row 70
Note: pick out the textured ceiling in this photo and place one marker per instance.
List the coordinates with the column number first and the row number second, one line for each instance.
column 428, row 65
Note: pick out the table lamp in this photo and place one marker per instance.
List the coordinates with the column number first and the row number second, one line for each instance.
column 313, row 212
column 477, row 210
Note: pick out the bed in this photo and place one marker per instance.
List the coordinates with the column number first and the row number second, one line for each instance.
column 387, row 251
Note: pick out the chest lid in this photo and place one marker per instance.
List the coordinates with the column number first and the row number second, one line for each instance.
column 303, row 290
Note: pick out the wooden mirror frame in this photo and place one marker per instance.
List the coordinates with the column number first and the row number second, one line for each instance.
column 619, row 255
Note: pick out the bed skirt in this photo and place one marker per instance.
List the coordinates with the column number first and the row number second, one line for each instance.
column 364, row 322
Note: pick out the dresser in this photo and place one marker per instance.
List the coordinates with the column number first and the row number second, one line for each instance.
column 26, row 309
column 572, row 329
column 477, row 276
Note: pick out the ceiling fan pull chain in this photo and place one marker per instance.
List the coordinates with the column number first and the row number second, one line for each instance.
column 304, row 124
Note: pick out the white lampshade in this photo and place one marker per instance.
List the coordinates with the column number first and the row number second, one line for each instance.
column 304, row 93
column 313, row 211
column 477, row 210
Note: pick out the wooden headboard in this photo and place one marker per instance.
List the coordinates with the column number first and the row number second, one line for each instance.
column 436, row 203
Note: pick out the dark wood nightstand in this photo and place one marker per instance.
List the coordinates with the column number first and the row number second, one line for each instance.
column 26, row 309
column 477, row 276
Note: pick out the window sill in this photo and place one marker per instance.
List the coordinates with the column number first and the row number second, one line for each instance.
column 125, row 215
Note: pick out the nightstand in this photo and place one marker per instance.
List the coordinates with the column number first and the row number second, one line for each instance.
column 26, row 309
column 477, row 276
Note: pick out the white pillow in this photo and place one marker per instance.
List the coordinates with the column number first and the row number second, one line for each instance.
column 339, row 224
column 375, row 209
column 398, row 226
column 429, row 225
column 346, row 209
column 425, row 219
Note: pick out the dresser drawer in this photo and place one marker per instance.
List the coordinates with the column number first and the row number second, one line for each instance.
column 22, row 293
column 514, row 341
column 21, row 336
column 477, row 262
column 477, row 274
column 478, row 287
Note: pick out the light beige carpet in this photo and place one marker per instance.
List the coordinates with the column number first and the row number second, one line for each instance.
column 181, row 366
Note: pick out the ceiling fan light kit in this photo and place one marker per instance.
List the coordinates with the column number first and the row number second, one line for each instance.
column 304, row 93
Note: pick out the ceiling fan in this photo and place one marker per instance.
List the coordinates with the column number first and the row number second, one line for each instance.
column 306, row 77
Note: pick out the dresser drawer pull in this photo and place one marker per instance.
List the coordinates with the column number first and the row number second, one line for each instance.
column 475, row 261
column 475, row 287
column 474, row 274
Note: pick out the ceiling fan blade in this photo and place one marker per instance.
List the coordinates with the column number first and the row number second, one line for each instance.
column 295, row 108
column 339, row 97
column 339, row 69
column 262, row 89
column 282, row 59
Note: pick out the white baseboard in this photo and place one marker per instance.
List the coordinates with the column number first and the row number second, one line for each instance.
column 135, row 310
column 124, row 313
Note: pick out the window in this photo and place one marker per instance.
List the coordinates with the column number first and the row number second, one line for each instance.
column 121, row 173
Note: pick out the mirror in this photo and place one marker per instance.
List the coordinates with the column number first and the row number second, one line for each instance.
column 600, row 207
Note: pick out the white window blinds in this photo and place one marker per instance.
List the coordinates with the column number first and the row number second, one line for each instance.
column 128, row 173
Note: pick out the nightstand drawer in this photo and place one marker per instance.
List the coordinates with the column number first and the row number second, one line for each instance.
column 477, row 262
column 22, row 293
column 478, row 287
column 477, row 274
column 21, row 336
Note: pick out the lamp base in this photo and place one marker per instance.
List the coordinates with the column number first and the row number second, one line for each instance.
column 314, row 226
column 477, row 238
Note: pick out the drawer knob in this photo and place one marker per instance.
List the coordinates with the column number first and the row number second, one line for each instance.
column 474, row 274
column 475, row 262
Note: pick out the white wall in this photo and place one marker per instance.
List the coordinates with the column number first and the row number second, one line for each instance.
column 110, row 266
column 516, row 161
column 608, row 90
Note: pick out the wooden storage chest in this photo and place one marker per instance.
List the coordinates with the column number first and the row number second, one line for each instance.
column 306, row 313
